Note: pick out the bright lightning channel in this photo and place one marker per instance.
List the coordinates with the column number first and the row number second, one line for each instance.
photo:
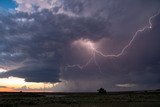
column 90, row 45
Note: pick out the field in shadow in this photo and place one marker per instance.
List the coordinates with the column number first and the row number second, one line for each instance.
column 112, row 99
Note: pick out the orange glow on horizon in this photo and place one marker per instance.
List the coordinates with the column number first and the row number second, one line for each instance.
column 18, row 90
column 7, row 90
column 14, row 84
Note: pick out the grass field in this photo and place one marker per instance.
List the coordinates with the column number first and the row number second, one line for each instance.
column 112, row 99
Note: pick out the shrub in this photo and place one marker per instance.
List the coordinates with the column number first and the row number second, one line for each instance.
column 101, row 91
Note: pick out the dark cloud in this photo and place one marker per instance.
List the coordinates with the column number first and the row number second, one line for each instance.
column 43, row 37
column 39, row 44
column 143, row 57
column 125, row 17
column 139, row 66
column 35, row 73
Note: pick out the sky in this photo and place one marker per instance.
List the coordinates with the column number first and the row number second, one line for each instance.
column 8, row 4
column 79, row 45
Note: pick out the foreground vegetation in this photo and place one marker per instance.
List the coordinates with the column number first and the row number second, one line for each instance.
column 140, row 99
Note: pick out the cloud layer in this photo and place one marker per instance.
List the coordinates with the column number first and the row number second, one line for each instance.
column 36, row 41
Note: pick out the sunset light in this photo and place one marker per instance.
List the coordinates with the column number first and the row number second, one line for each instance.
column 16, row 84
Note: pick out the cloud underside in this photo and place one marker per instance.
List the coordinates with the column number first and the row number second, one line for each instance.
column 39, row 43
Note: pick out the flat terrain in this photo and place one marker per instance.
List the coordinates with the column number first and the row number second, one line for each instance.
column 111, row 99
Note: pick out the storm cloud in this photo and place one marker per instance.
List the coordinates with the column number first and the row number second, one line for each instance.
column 41, row 38
column 36, row 41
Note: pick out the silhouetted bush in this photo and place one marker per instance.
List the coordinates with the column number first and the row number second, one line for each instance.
column 102, row 91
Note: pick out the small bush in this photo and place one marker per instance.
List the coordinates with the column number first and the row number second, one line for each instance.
column 102, row 91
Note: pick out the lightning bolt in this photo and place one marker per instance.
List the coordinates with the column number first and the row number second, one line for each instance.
column 132, row 39
column 81, row 66
column 95, row 51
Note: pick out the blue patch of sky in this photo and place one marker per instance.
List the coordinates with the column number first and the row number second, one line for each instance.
column 7, row 4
